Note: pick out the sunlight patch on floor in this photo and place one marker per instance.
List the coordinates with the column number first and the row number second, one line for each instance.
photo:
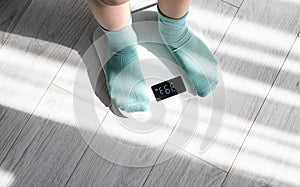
column 6, row 178
column 244, row 31
column 297, row 2
column 26, row 70
column 220, row 21
column 267, row 150
column 155, row 130
column 259, row 89
column 258, row 57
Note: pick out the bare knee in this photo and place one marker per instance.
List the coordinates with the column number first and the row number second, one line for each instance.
column 111, row 2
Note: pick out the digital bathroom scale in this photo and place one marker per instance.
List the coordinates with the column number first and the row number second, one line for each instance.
column 165, row 80
column 175, row 112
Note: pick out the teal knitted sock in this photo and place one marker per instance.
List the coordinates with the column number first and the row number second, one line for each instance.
column 125, row 81
column 191, row 54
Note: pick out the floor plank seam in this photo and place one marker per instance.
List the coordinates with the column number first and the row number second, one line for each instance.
column 144, row 183
column 26, row 122
column 143, row 8
column 46, row 90
column 21, row 13
column 77, row 164
column 230, row 4
column 83, row 99
column 163, row 147
column 14, row 25
column 84, row 152
column 260, row 108
column 226, row 32
column 238, row 8
column 174, row 127
column 152, row 167
column 71, row 49
column 187, row 153
column 64, row 61
column 38, row 103
column 200, row 159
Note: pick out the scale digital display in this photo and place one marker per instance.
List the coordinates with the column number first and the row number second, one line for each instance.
column 168, row 88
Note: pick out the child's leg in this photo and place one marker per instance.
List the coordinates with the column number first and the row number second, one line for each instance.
column 174, row 8
column 127, row 89
column 191, row 54
column 112, row 15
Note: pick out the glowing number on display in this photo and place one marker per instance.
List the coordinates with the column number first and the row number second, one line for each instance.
column 167, row 90
column 172, row 87
column 161, row 92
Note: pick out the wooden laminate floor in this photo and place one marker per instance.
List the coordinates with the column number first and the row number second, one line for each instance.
column 42, row 44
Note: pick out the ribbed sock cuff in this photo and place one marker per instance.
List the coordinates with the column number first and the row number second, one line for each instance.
column 107, row 31
column 174, row 32
column 121, row 38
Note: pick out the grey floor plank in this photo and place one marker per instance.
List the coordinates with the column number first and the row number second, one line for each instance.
column 270, row 155
column 250, row 59
column 236, row 3
column 210, row 19
column 10, row 13
column 86, row 84
column 93, row 170
column 49, row 147
column 31, row 57
column 185, row 170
